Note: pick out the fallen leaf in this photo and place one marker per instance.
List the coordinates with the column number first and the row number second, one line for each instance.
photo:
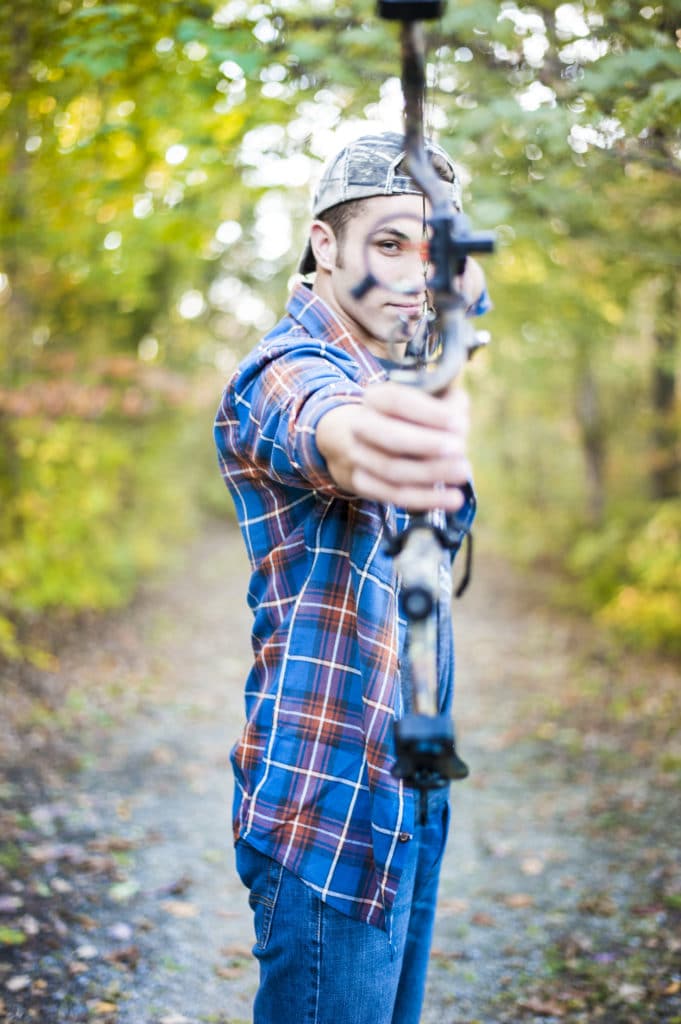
column 11, row 936
column 647, row 910
column 59, row 926
column 453, row 906
column 121, row 892
column 128, row 956
column 124, row 810
column 229, row 973
column 672, row 988
column 120, row 931
column 17, row 982
column 10, row 904
column 518, row 900
column 43, row 853
column 483, row 920
column 85, row 921
column 163, row 755
column 176, row 888
column 542, row 1007
column 629, row 993
column 111, row 844
column 29, row 924
column 87, row 951
column 236, row 951
column 103, row 1007
column 532, row 866
column 214, row 856
column 600, row 904
column 180, row 908
column 61, row 886
column 444, row 956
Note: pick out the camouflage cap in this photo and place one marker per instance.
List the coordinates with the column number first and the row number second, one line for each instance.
column 370, row 166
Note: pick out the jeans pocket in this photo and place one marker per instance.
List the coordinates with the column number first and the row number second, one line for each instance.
column 262, row 877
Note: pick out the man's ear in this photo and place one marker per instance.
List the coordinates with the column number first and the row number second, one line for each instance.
column 324, row 245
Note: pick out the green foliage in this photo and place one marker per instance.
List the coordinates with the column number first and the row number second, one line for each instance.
column 632, row 573
column 130, row 134
column 644, row 606
column 94, row 506
column 90, row 511
column 583, row 176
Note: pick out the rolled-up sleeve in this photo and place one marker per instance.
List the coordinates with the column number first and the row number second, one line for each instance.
column 269, row 419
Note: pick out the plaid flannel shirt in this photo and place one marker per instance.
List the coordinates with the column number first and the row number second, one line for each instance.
column 314, row 789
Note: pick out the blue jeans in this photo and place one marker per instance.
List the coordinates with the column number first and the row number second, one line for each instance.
column 318, row 966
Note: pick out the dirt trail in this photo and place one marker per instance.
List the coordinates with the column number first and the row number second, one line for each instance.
column 152, row 926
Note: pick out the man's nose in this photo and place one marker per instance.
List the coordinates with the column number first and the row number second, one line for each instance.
column 410, row 275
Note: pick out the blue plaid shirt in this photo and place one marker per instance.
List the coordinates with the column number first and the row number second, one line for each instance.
column 314, row 788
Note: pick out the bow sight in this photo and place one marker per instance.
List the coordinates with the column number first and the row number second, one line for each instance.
column 424, row 739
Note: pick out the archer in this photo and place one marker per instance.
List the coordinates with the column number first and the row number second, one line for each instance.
column 322, row 453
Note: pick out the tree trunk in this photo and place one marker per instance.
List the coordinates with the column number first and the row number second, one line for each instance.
column 665, row 475
column 593, row 436
column 17, row 314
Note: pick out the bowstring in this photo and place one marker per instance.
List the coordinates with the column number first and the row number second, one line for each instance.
column 431, row 80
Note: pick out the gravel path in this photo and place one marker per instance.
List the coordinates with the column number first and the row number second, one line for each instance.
column 155, row 927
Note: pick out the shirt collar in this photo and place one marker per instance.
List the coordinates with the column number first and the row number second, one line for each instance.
column 319, row 321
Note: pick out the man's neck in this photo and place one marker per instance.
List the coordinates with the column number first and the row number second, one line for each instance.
column 379, row 348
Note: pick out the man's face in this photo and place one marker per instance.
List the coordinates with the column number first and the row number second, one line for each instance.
column 385, row 239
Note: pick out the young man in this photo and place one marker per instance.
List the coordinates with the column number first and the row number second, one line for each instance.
column 322, row 453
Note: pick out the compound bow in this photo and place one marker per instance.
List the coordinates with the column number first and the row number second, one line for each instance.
column 426, row 751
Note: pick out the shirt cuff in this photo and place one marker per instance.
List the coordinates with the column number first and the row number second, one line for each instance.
column 307, row 458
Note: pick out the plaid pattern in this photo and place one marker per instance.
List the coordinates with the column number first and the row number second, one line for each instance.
column 312, row 767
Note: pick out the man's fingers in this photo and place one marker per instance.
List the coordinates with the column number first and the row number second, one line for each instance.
column 395, row 435
column 418, row 499
column 428, row 471
column 413, row 405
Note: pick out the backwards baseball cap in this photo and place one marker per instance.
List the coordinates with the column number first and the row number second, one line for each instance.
column 370, row 166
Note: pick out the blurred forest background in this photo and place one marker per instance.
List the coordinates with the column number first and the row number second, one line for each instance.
column 157, row 161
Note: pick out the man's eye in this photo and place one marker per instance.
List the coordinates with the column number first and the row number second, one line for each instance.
column 388, row 246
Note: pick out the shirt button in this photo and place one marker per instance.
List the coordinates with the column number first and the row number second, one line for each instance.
column 404, row 837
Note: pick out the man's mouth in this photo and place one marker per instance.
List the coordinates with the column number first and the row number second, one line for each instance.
column 410, row 311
